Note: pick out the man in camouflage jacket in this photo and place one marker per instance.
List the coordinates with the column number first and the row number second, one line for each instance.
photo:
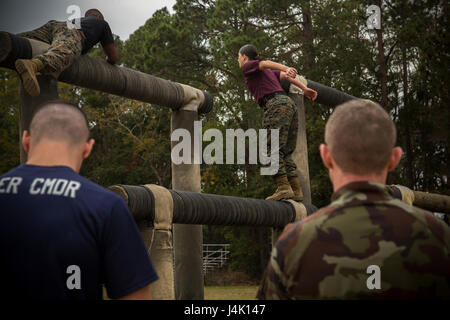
column 365, row 244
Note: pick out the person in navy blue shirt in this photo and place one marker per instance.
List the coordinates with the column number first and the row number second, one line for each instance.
column 62, row 236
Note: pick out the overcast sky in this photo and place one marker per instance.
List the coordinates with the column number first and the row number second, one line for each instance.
column 123, row 16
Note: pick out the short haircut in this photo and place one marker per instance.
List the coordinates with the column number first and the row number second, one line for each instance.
column 360, row 135
column 59, row 120
column 94, row 11
column 250, row 51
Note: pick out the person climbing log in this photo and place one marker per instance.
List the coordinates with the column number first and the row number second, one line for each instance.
column 280, row 112
column 66, row 43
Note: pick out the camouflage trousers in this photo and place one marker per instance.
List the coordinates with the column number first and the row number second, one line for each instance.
column 65, row 45
column 281, row 113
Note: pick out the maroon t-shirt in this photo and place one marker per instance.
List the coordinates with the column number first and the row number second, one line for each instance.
column 261, row 82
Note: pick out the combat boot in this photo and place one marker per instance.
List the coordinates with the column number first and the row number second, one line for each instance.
column 27, row 70
column 296, row 188
column 284, row 190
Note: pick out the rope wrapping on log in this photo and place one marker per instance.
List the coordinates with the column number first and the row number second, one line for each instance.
column 208, row 104
column 225, row 210
column 329, row 96
column 211, row 209
column 91, row 73
column 325, row 95
column 12, row 47
column 140, row 201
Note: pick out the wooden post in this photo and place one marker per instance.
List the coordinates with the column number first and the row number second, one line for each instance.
column 300, row 156
column 187, row 239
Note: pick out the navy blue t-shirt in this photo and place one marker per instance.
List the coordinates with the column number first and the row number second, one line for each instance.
column 62, row 237
column 95, row 30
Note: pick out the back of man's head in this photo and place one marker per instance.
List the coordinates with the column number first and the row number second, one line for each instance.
column 360, row 135
column 94, row 13
column 59, row 121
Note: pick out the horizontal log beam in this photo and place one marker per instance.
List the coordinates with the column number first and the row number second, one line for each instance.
column 428, row 201
column 325, row 95
column 99, row 75
column 211, row 209
column 329, row 96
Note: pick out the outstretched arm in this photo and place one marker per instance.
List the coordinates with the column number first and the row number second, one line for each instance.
column 111, row 52
column 267, row 64
column 309, row 93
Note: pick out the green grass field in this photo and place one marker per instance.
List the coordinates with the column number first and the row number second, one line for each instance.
column 230, row 292
column 223, row 293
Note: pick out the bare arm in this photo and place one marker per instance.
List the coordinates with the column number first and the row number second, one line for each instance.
column 294, row 81
column 267, row 64
column 309, row 93
column 144, row 293
column 111, row 52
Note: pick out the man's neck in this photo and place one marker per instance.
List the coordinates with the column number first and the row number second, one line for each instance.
column 346, row 178
column 53, row 154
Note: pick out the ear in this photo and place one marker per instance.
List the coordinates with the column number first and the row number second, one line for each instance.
column 26, row 141
column 395, row 158
column 88, row 148
column 325, row 154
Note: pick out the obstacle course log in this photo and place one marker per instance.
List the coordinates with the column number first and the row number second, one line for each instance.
column 211, row 209
column 99, row 75
column 325, row 95
column 329, row 96
column 157, row 210
column 427, row 201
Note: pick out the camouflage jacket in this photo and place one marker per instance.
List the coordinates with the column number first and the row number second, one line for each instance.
column 333, row 253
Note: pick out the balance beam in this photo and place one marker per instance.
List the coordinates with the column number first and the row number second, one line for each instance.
column 210, row 209
column 432, row 202
column 99, row 75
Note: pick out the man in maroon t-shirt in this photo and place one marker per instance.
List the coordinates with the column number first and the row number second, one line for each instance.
column 280, row 112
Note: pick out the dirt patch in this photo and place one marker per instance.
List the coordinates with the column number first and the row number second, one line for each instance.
column 228, row 277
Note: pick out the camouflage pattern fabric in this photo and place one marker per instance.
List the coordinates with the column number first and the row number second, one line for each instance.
column 281, row 113
column 65, row 45
column 326, row 255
